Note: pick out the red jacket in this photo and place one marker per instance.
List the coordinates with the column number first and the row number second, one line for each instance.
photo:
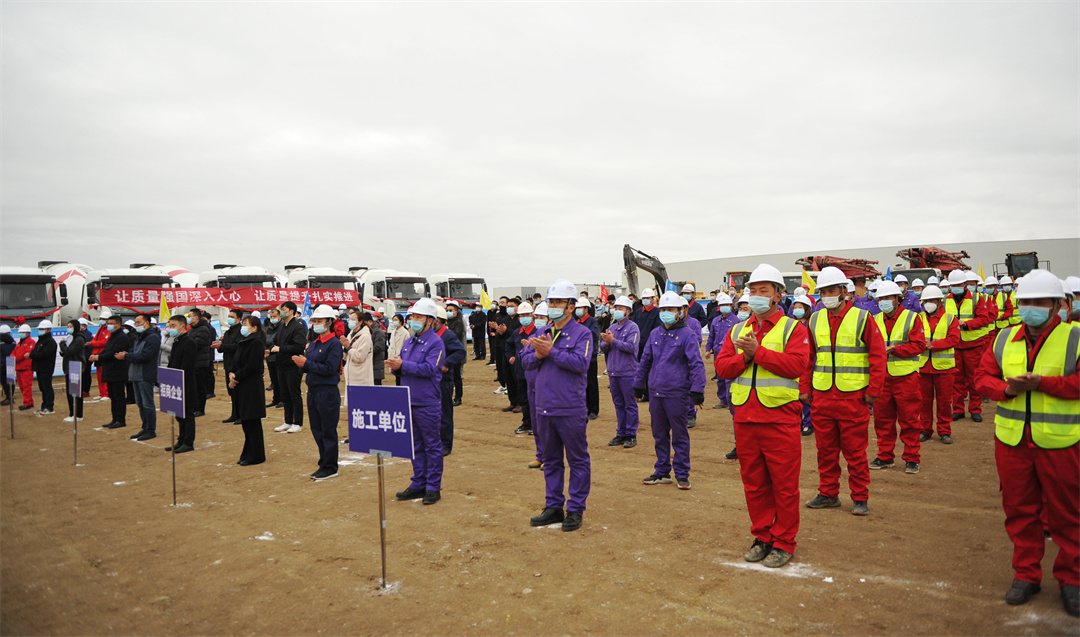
column 22, row 348
column 790, row 363
column 951, row 340
column 100, row 338
column 985, row 314
column 990, row 383
column 849, row 405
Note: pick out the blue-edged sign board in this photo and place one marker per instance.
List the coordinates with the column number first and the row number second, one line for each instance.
column 380, row 420
column 171, row 392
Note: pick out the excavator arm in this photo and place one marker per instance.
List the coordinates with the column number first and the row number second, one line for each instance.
column 634, row 259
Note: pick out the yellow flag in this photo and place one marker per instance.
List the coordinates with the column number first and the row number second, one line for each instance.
column 981, row 275
column 808, row 281
column 164, row 316
column 485, row 300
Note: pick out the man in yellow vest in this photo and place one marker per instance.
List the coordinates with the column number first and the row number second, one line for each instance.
column 942, row 332
column 846, row 373
column 1006, row 284
column 763, row 356
column 905, row 344
column 1032, row 372
column 1000, row 300
column 976, row 320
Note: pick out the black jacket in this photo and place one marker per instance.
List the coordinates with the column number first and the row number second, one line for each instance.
column 247, row 363
column 43, row 356
column 378, row 350
column 76, row 351
column 457, row 326
column 113, row 369
column 183, row 356
column 202, row 335
column 271, row 339
column 291, row 341
column 478, row 322
column 229, row 341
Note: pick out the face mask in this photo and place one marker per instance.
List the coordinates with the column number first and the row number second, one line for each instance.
column 101, row 322
column 580, row 312
column 451, row 314
column 712, row 298
column 319, row 328
column 110, row 327
column 667, row 318
column 956, row 290
column 231, row 321
column 1062, row 314
column 1034, row 316
column 188, row 318
column 886, row 306
column 541, row 322
column 1076, row 306
column 139, row 329
column 1008, row 288
column 971, row 288
column 245, row 330
column 526, row 321
column 556, row 313
column 760, row 304
column 745, row 314
column 646, row 302
column 352, row 324
column 931, row 307
column 396, row 325
column 917, row 292
column 688, row 297
column 798, row 312
column 618, row 315
column 275, row 321
column 173, row 332
column 830, row 302
column 510, row 311
column 725, row 310
column 416, row 326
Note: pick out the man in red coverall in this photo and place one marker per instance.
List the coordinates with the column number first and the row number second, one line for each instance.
column 977, row 317
column 936, row 375
column 1037, row 437
column 24, row 375
column 899, row 402
column 840, row 405
column 770, row 448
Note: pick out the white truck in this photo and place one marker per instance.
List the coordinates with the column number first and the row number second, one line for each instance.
column 184, row 278
column 314, row 278
column 461, row 287
column 227, row 276
column 389, row 291
column 72, row 275
column 30, row 293
column 113, row 278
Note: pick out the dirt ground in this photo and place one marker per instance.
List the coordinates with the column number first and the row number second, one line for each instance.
column 98, row 548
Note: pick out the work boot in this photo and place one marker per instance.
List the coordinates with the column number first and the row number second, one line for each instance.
column 733, row 454
column 776, row 558
column 523, row 429
column 536, row 464
column 823, row 502
column 923, row 437
column 976, row 417
column 548, row 516
column 807, row 431
column 1020, row 592
column 691, row 423
column 629, row 442
column 758, row 551
column 1070, row 599
column 719, row 406
column 859, row 507
column 431, row 497
column 878, row 463
column 911, row 467
column 572, row 522
column 959, row 416
column 410, row 494
column 616, row 441
column 946, row 439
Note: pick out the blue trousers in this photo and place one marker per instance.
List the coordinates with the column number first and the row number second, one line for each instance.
column 324, row 411
column 669, row 416
column 427, row 448
column 626, row 411
column 446, row 413
column 144, row 398
column 559, row 433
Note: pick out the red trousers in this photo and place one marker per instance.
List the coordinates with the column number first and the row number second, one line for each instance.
column 103, row 388
column 936, row 388
column 770, row 457
column 898, row 403
column 833, row 436
column 967, row 363
column 26, row 386
column 1034, row 479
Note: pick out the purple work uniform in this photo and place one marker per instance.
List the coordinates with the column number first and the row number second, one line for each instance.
column 695, row 325
column 721, row 325
column 671, row 364
column 561, row 413
column 421, row 371
column 530, row 391
column 911, row 302
column 621, row 357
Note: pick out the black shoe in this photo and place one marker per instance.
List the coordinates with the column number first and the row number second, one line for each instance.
column 808, row 431
column 878, row 463
column 431, row 497
column 410, row 494
column 548, row 516
column 198, row 414
column 324, row 474
column 629, row 442
column 135, row 436
column 5, row 402
column 1070, row 599
column 1020, row 592
column 946, row 439
column 572, row 522
column 211, row 395
column 270, row 405
column 923, row 437
column 146, row 435
column 25, row 407
column 116, row 425
column 523, row 430
column 657, row 478
column 691, row 423
column 956, row 417
column 976, row 417
column 823, row 502
column 243, row 463
column 176, row 445
column 229, row 420
column 733, row 454
column 446, row 451
column 184, row 449
column 911, row 467
column 457, row 402
column 616, row 441
column 591, row 417
column 130, row 402
column 278, row 405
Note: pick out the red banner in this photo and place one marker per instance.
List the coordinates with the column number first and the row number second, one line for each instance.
column 262, row 297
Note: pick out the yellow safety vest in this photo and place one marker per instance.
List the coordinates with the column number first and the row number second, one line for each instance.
column 901, row 335
column 1001, row 322
column 847, row 366
column 965, row 313
column 772, row 390
column 943, row 359
column 1015, row 318
column 1055, row 422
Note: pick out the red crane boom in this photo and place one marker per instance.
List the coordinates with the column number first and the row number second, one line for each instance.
column 852, row 268
column 931, row 257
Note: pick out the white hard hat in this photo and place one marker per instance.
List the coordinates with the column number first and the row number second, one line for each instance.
column 766, row 272
column 47, row 325
column 724, row 299
column 671, row 299
column 1073, row 283
column 745, row 298
column 647, row 292
column 525, row 308
column 957, row 277
column 342, row 306
column 873, row 286
column 106, row 313
column 581, row 301
column 624, row 301
column 562, row 289
column 917, row 283
column 973, row 276
column 799, row 292
column 851, row 285
column 830, row 276
column 900, row 278
column 24, row 328
column 541, row 309
column 423, row 307
column 805, row 300
column 1039, row 284
column 128, row 323
column 4, row 329
column 688, row 288
column 888, row 288
column 1006, row 280
column 932, row 292
column 452, row 302
column 440, row 313
column 324, row 312
column 83, row 321
column 933, row 280
column 257, row 314
column 1065, row 288
column 991, row 280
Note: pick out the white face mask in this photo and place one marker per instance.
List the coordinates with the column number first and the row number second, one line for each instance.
column 831, row 302
column 931, row 307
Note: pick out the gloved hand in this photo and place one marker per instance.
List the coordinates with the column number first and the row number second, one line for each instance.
column 639, row 393
column 699, row 398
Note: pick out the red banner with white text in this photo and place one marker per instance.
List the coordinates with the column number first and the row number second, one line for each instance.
column 262, row 297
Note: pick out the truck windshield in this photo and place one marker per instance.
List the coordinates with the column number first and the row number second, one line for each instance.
column 465, row 290
column 1024, row 263
column 26, row 295
column 408, row 290
column 792, row 281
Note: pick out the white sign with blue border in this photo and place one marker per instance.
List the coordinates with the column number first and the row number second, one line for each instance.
column 380, row 420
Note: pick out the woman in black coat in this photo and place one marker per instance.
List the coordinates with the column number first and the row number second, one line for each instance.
column 249, row 393
column 76, row 352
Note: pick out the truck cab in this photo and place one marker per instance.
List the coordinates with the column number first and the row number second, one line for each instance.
column 30, row 293
column 463, row 288
column 302, row 276
column 390, row 291
column 226, row 276
column 73, row 276
column 98, row 281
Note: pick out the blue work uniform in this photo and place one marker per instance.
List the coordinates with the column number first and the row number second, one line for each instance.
column 323, row 367
column 455, row 355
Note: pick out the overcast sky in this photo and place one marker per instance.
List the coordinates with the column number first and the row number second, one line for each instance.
column 530, row 141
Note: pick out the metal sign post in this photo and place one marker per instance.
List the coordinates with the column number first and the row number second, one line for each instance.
column 74, row 389
column 380, row 423
column 171, row 401
column 10, row 373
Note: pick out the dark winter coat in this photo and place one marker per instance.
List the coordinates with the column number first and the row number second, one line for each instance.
column 247, row 364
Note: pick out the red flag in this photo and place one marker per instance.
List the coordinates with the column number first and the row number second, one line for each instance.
column 603, row 294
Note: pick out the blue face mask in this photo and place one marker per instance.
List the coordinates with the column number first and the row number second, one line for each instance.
column 173, row 332
column 416, row 326
column 798, row 312
column 526, row 320
column 618, row 315
column 541, row 322
column 110, row 327
column 510, row 311
column 666, row 317
column 319, row 328
column 1034, row 316
column 745, row 314
column 188, row 318
column 275, row 321
column 556, row 313
column 579, row 312
column 1063, row 315
column 956, row 290
column 759, row 304
column 450, row 314
column 231, row 321
column 725, row 309
column 352, row 324
column 245, row 330
column 971, row 288
column 101, row 321
column 139, row 329
column 1007, row 288
column 688, row 297
column 1076, row 306
column 886, row 306
column 917, row 292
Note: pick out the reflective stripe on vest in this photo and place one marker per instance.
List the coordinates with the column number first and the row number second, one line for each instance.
column 901, row 335
column 772, row 390
column 965, row 313
column 1055, row 422
column 1001, row 322
column 847, row 365
column 945, row 358
column 1015, row 318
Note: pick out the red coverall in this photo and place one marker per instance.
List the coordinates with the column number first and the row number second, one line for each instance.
column 842, row 419
column 24, row 375
column 770, row 447
column 938, row 384
column 1033, row 478
column 97, row 344
column 969, row 355
column 899, row 401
